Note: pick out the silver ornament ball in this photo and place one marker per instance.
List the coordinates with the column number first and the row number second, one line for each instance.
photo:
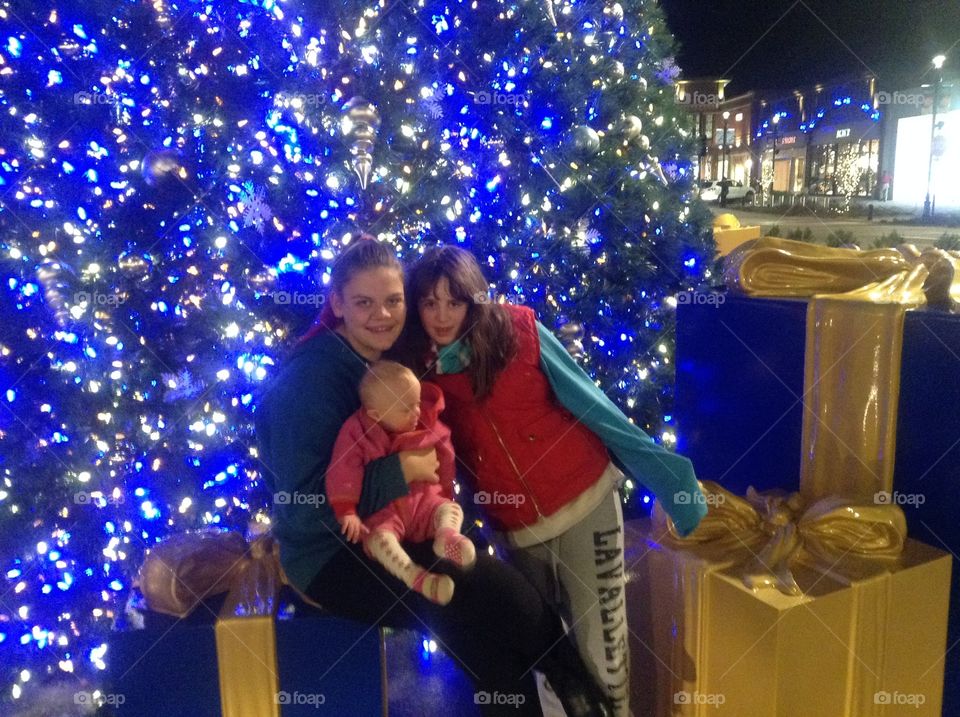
column 632, row 127
column 585, row 140
column 614, row 11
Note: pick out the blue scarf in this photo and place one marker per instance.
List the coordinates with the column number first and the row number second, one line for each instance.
column 453, row 358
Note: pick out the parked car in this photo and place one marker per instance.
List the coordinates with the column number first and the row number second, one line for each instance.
column 736, row 191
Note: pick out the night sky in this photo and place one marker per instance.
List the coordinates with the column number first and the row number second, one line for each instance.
column 814, row 40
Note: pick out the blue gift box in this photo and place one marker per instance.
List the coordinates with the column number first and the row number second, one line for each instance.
column 323, row 662
column 170, row 668
column 739, row 408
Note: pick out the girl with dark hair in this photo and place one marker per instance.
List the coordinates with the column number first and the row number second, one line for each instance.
column 497, row 627
column 536, row 435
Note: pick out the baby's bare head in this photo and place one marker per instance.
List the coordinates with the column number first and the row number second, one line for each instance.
column 390, row 393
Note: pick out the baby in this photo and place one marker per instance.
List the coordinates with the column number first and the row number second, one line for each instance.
column 397, row 414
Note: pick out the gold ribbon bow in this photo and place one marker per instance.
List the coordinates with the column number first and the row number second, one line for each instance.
column 768, row 532
column 782, row 267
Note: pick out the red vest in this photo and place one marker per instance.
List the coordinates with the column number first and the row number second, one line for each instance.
column 525, row 455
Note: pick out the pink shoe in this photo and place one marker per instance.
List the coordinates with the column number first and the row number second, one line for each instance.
column 455, row 547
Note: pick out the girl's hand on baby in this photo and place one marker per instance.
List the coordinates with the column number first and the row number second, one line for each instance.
column 420, row 465
column 353, row 528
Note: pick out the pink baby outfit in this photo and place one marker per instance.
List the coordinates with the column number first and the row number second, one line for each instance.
column 362, row 440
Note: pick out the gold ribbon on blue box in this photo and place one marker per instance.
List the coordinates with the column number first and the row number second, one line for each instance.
column 180, row 573
column 854, row 342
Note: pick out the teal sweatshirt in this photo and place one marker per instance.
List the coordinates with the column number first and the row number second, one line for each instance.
column 297, row 420
column 669, row 476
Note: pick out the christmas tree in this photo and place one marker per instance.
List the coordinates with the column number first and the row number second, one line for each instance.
column 175, row 178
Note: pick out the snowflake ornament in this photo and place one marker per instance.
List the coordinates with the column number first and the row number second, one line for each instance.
column 669, row 72
column 433, row 107
column 256, row 212
column 584, row 236
column 181, row 385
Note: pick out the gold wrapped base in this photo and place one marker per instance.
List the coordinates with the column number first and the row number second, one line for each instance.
column 863, row 640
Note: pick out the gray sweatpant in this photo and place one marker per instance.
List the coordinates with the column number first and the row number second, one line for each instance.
column 581, row 574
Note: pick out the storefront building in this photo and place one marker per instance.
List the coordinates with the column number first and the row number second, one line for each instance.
column 907, row 152
column 844, row 158
column 789, row 163
column 823, row 141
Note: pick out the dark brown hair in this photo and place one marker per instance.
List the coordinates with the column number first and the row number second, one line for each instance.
column 360, row 255
column 488, row 330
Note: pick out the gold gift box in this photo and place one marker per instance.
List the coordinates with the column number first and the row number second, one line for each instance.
column 865, row 638
column 729, row 234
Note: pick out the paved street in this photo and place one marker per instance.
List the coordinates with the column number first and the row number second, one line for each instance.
column 865, row 232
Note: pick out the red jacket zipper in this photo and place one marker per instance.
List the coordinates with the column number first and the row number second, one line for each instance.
column 513, row 463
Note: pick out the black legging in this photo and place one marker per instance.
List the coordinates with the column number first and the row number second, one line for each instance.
column 496, row 627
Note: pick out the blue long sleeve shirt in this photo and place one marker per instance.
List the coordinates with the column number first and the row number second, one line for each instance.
column 668, row 475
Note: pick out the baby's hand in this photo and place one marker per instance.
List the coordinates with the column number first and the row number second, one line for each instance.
column 352, row 527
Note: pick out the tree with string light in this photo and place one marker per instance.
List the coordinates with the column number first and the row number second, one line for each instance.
column 175, row 178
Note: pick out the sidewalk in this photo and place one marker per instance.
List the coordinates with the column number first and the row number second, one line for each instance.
column 821, row 225
column 894, row 213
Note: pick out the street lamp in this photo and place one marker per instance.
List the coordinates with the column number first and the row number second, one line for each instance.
column 726, row 120
column 773, row 156
column 723, row 152
column 736, row 132
column 938, row 66
column 702, row 151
